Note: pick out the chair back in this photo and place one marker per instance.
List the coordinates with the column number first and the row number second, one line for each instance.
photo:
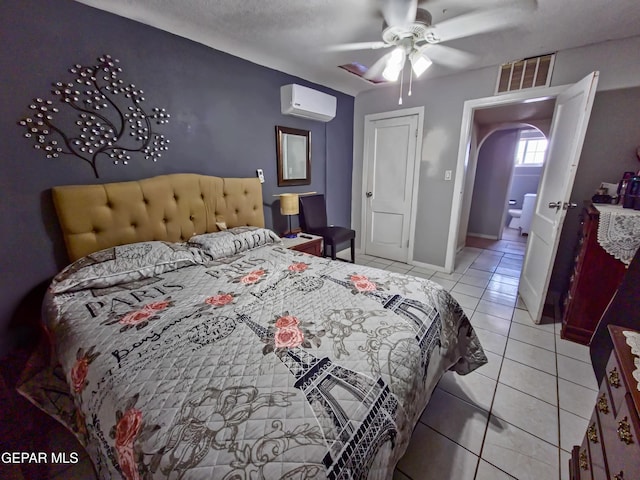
column 313, row 213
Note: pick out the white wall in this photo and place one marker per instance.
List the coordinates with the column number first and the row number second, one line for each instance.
column 443, row 99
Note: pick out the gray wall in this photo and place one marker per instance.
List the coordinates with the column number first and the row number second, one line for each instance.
column 609, row 150
column 525, row 180
column 493, row 173
column 223, row 116
column 443, row 99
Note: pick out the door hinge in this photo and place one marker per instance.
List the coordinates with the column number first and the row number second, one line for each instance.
column 416, row 133
column 407, row 243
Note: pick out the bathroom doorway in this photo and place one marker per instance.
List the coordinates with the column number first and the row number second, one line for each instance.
column 506, row 168
column 535, row 112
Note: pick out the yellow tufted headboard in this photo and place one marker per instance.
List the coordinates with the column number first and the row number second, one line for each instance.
column 168, row 207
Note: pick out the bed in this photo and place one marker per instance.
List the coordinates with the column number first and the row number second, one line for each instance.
column 187, row 342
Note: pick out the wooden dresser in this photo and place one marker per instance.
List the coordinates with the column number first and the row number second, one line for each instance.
column 595, row 276
column 611, row 446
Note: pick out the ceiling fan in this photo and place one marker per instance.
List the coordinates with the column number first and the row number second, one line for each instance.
column 409, row 30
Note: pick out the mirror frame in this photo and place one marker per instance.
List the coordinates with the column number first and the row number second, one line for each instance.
column 280, row 151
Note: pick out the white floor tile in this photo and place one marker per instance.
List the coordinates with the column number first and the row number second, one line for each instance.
column 524, row 317
column 378, row 265
column 564, row 465
column 577, row 372
column 447, row 284
column 448, row 276
column 472, row 388
column 573, row 350
column 529, row 380
column 422, row 270
column 383, row 261
column 519, row 453
column 473, row 280
column 502, row 311
column 468, row 290
column 575, row 398
column 490, row 322
column 417, row 273
column 490, row 341
column 572, row 430
column 531, row 355
column 431, row 455
column 526, row 412
column 397, row 268
column 456, row 419
column 509, row 272
column 505, row 288
column 491, row 369
column 486, row 471
column 465, row 300
column 505, row 279
column 474, row 272
column 500, row 298
column 533, row 336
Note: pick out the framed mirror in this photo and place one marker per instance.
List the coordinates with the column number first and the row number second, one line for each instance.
column 293, row 147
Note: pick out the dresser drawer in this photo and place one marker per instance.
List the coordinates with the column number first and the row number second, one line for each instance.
column 596, row 449
column 615, row 383
column 621, row 439
column 584, row 461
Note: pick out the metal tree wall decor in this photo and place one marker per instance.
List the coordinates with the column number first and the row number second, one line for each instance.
column 99, row 116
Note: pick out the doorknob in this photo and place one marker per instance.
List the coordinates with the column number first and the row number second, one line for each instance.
column 555, row 205
column 568, row 205
column 369, row 194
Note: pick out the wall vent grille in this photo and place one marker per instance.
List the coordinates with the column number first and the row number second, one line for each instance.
column 523, row 74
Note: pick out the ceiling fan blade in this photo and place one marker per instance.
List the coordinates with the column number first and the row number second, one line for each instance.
column 348, row 47
column 398, row 12
column 477, row 22
column 448, row 56
column 375, row 71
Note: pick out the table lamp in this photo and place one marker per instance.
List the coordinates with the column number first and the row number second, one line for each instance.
column 289, row 205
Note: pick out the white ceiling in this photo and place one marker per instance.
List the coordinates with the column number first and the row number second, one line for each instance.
column 292, row 35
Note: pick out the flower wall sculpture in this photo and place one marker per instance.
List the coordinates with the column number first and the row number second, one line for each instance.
column 100, row 116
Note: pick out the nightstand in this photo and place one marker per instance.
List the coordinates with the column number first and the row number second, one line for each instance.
column 312, row 245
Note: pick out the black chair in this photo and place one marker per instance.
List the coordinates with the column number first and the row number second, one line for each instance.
column 313, row 219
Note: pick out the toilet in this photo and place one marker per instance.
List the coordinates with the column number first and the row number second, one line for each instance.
column 515, row 214
column 521, row 217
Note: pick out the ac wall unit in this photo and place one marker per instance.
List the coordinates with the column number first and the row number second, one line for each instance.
column 305, row 102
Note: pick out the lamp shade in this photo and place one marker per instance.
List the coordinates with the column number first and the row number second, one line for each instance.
column 289, row 204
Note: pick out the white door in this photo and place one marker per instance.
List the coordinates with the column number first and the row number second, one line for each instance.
column 568, row 127
column 390, row 157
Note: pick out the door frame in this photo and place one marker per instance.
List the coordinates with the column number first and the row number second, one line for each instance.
column 468, row 112
column 368, row 131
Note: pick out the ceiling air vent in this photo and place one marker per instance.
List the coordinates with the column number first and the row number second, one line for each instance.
column 523, row 74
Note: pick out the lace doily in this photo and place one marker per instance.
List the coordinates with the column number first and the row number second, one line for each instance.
column 633, row 340
column 619, row 231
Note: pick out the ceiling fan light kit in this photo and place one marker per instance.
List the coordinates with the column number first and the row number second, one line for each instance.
column 409, row 31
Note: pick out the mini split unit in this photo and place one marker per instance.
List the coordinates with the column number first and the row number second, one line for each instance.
column 305, row 102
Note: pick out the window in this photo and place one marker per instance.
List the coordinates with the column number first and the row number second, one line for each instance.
column 532, row 146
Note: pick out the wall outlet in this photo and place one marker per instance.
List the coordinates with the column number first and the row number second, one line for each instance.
column 260, row 174
column 447, row 174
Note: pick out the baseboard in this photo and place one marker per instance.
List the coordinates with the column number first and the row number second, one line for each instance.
column 482, row 235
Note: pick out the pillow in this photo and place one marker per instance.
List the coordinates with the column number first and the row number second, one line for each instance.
column 124, row 264
column 234, row 240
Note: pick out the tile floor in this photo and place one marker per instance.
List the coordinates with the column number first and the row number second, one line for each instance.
column 516, row 417
column 519, row 415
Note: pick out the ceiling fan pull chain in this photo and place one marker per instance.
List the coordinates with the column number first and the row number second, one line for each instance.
column 401, row 81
